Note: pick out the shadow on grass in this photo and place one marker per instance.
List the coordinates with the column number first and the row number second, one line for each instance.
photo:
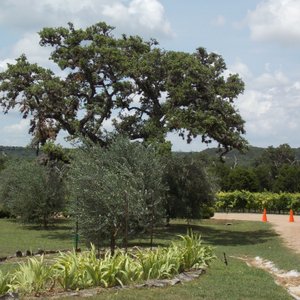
column 57, row 225
column 214, row 232
column 59, row 235
column 213, row 236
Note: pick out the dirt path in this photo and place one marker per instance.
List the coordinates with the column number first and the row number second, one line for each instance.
column 290, row 232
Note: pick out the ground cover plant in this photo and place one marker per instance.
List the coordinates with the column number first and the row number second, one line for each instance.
column 72, row 270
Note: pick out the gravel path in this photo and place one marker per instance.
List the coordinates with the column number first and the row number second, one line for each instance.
column 290, row 232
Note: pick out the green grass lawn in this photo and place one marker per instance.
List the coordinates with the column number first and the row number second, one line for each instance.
column 15, row 236
column 234, row 281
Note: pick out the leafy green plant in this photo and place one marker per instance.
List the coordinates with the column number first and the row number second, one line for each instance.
column 5, row 280
column 94, row 268
column 155, row 264
column 193, row 253
column 32, row 276
column 82, row 270
column 165, row 262
column 66, row 270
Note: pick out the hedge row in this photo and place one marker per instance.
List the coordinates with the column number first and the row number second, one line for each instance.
column 247, row 201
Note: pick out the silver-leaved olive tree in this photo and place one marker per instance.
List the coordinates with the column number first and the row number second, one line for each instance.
column 31, row 191
column 143, row 90
column 116, row 190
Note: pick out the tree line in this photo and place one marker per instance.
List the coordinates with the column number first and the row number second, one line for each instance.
column 276, row 170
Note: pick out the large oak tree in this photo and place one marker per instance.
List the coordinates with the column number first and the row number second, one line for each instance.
column 144, row 90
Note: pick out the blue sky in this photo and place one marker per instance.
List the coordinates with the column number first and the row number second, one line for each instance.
column 259, row 39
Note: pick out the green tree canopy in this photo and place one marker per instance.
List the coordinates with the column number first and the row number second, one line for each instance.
column 31, row 191
column 145, row 91
column 190, row 189
column 114, row 186
column 242, row 178
column 277, row 157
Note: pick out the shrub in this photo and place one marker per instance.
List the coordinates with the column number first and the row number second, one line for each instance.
column 32, row 276
column 241, row 200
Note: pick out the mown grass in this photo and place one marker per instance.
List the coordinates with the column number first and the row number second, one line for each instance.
column 15, row 236
column 234, row 281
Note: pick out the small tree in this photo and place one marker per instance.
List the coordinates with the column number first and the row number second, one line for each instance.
column 190, row 190
column 114, row 190
column 32, row 191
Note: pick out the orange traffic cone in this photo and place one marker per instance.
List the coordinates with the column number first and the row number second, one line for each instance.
column 264, row 217
column 291, row 216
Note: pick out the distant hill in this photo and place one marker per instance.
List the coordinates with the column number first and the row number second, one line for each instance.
column 242, row 159
column 231, row 158
column 17, row 152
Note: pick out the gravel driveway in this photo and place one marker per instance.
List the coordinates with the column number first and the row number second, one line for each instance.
column 290, row 232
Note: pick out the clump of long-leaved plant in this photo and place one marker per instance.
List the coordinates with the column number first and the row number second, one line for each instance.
column 31, row 276
column 5, row 280
column 83, row 270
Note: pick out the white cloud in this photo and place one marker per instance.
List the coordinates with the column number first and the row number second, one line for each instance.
column 277, row 21
column 29, row 45
column 219, row 21
column 139, row 14
column 271, row 108
column 271, row 80
column 145, row 16
column 4, row 62
column 240, row 68
column 17, row 128
column 254, row 104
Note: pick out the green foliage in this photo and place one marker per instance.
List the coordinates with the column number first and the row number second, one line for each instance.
column 82, row 270
column 243, row 179
column 31, row 276
column 193, row 254
column 55, row 152
column 152, row 90
column 4, row 212
column 5, row 280
column 278, row 157
column 17, row 152
column 112, row 187
column 190, row 188
column 31, row 191
column 288, row 179
column 244, row 200
column 271, row 169
column 2, row 163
